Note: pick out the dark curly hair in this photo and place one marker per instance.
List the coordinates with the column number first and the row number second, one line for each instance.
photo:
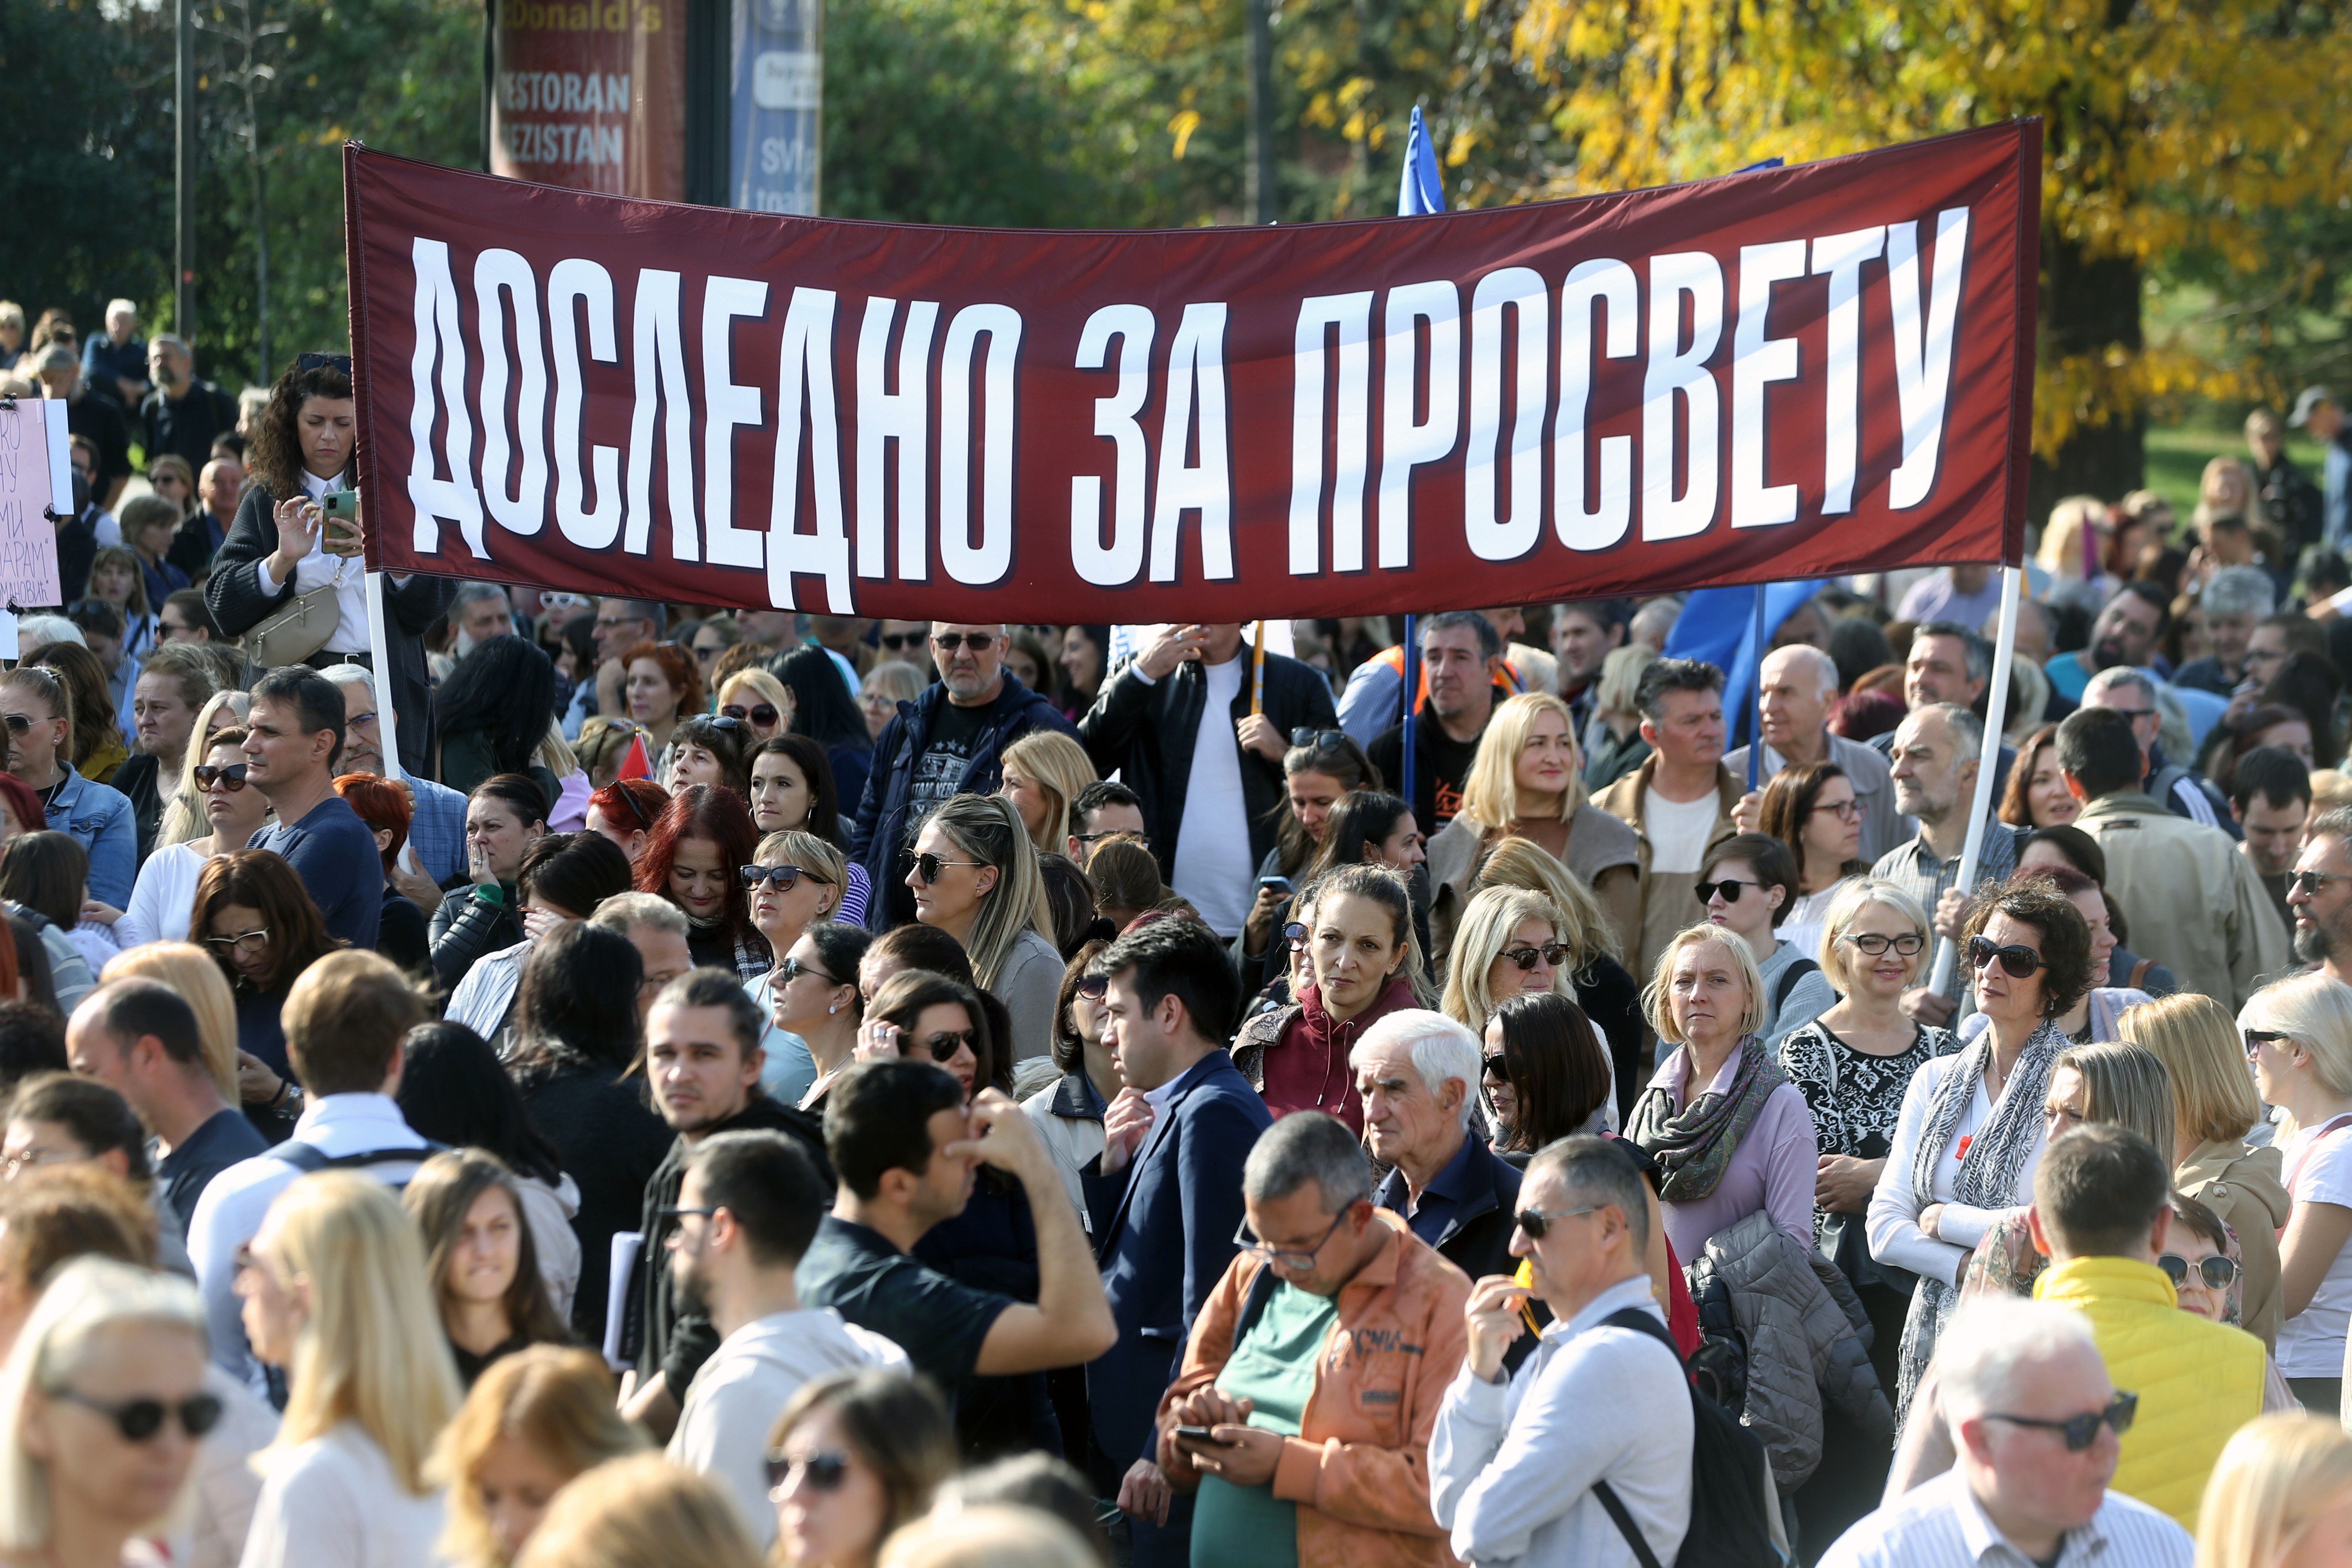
column 274, row 461
column 2065, row 936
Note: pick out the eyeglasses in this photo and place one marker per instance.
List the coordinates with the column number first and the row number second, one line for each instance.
column 2135, row 714
column 246, row 942
column 2308, row 883
column 25, row 1159
column 19, row 723
column 2081, row 1431
column 672, row 1211
column 900, row 642
column 928, row 867
column 140, row 1420
column 821, row 1472
column 1093, row 987
column 943, row 1045
column 357, row 720
column 2017, row 960
column 1552, row 952
column 763, row 714
column 1112, row 833
column 1290, row 1258
column 793, row 969
column 1294, row 933
column 2257, row 1039
column 978, row 642
column 2219, row 1272
column 1493, row 1069
column 1728, row 888
column 782, row 876
column 230, row 778
column 1909, row 944
column 1535, row 1222
column 1321, row 740
column 323, row 362
column 1843, row 810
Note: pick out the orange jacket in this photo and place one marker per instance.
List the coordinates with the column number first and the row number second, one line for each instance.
column 1359, row 1470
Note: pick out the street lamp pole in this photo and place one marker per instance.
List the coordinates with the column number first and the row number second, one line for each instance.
column 184, row 113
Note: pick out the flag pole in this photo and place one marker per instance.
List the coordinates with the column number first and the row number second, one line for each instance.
column 387, row 719
column 1404, row 787
column 2004, row 650
column 1257, row 670
column 1756, row 667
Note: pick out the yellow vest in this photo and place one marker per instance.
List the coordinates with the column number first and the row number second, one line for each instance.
column 2198, row 1382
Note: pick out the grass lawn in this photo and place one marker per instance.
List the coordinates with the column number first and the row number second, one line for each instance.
column 2177, row 459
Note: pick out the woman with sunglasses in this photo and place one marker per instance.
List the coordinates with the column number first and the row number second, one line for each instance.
column 625, row 812
column 816, row 997
column 1321, row 768
column 1596, row 974
column 335, row 1294
column 1509, row 944
column 661, row 686
column 492, row 713
column 712, row 638
column 2098, row 1015
column 855, row 1456
column 38, row 712
column 759, row 701
column 1971, row 1131
column 975, row 877
column 795, row 882
column 706, row 750
column 1528, row 783
column 1745, row 886
column 2298, row 1036
column 532, row 1422
column 2214, row 1107
column 255, row 917
column 694, row 857
column 504, row 815
column 185, row 811
column 102, row 1406
column 161, row 900
column 1813, row 812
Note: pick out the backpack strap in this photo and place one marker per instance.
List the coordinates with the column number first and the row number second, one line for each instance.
column 2139, row 973
column 308, row 1158
column 1606, row 1495
column 1798, row 969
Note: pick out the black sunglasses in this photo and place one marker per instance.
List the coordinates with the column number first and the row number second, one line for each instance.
column 782, row 876
column 19, row 723
column 2017, row 960
column 1535, row 1220
column 230, row 778
column 2257, row 1039
column 140, row 1420
column 978, row 642
column 763, row 713
column 2308, row 883
column 1493, row 1069
column 822, row 1472
column 794, row 969
column 2220, row 1273
column 2081, row 1431
column 727, row 723
column 900, row 642
column 1294, row 933
column 943, row 1046
column 1093, row 987
column 1552, row 952
column 323, row 362
column 1728, row 888
column 928, row 867
column 1321, row 740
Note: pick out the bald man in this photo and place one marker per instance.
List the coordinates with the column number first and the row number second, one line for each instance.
column 1801, row 686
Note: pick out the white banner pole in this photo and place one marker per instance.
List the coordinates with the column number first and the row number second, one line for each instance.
column 387, row 722
column 2004, row 650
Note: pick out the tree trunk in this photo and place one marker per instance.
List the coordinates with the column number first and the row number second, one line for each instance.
column 2087, row 306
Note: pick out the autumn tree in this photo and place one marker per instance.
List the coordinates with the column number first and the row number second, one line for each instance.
column 2170, row 127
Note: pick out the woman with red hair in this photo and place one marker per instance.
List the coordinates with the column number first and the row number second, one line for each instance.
column 695, row 856
column 624, row 810
column 661, row 685
column 384, row 805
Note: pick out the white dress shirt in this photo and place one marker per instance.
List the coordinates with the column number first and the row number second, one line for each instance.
column 1940, row 1524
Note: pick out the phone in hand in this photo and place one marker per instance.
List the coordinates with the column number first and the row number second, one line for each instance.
column 338, row 513
column 1201, row 1435
column 1273, row 884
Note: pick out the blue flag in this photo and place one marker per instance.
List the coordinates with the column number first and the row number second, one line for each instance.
column 1718, row 626
column 1420, row 191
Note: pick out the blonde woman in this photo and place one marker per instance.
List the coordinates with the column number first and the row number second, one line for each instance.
column 183, row 814
column 2070, row 554
column 1510, row 944
column 191, row 973
column 1044, row 771
column 1526, row 783
column 1613, row 741
column 2279, row 1497
column 535, row 1420
column 1597, row 976
column 2298, row 1034
column 887, row 684
column 799, row 882
column 2213, row 1107
column 975, row 877
column 81, row 1473
column 1729, row 1133
column 758, row 701
column 163, row 897
column 336, row 1293
column 640, row 1512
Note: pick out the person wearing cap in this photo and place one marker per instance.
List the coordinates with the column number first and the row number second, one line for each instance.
column 2287, row 492
column 91, row 417
column 2317, row 411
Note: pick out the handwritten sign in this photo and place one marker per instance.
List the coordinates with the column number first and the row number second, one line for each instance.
column 33, row 472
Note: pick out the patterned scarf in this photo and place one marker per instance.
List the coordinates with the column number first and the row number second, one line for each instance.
column 1693, row 1146
column 1996, row 1156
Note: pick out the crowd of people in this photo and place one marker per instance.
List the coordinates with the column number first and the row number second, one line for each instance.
column 727, row 1086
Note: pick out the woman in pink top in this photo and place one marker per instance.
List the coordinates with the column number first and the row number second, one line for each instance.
column 1729, row 1133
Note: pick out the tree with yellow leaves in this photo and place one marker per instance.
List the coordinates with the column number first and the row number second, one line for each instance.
column 2168, row 126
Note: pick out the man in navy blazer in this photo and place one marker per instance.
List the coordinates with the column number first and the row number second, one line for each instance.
column 1169, row 1181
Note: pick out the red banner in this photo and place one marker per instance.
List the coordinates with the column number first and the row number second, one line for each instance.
column 1791, row 373
column 590, row 94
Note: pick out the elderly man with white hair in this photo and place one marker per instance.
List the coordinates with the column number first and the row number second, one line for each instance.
column 1417, row 1075
column 1800, row 687
column 2181, row 790
column 2036, row 1424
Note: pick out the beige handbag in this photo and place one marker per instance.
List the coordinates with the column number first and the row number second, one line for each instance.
column 292, row 635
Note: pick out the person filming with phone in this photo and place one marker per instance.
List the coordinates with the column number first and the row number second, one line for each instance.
column 289, row 578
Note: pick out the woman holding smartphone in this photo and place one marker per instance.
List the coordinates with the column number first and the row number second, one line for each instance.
column 283, row 545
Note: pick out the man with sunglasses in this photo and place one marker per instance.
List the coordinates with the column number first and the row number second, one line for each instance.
column 1417, row 1074
column 1177, row 723
column 2102, row 1215
column 1517, row 1460
column 2320, row 894
column 2195, row 905
column 950, row 744
column 1315, row 1368
column 2036, row 1425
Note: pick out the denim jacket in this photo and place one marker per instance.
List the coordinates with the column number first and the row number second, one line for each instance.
column 100, row 821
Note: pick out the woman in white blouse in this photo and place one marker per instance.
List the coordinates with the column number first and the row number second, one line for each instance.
column 1971, row 1130
column 165, row 894
column 2298, row 1036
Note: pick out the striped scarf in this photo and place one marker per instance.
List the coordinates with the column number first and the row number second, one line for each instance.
column 1693, row 1146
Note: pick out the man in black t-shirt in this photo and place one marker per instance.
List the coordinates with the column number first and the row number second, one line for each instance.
column 183, row 415
column 905, row 1150
column 1462, row 653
